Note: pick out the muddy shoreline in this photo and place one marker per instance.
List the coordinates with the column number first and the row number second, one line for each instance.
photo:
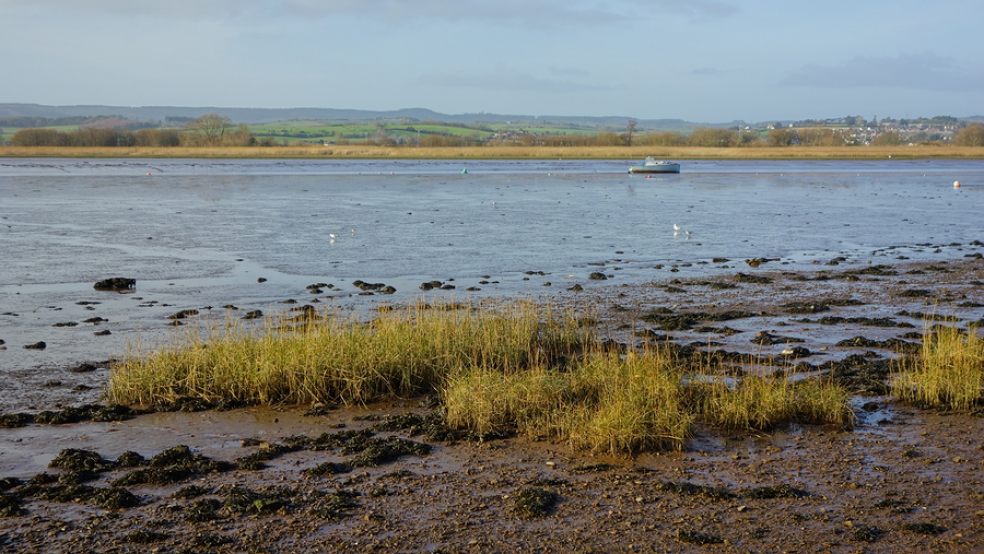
column 904, row 479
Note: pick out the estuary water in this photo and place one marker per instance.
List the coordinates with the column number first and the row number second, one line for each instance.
column 198, row 233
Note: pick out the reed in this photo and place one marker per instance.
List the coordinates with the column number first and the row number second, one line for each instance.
column 947, row 373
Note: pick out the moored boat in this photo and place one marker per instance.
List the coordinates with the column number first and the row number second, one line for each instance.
column 652, row 165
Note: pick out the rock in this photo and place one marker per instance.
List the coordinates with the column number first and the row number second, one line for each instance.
column 796, row 352
column 183, row 314
column 364, row 286
column 103, row 333
column 118, row 284
column 40, row 345
column 597, row 276
column 255, row 314
column 767, row 338
column 84, row 367
column 576, row 288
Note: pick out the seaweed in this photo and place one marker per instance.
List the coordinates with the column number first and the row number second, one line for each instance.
column 687, row 488
column 533, row 502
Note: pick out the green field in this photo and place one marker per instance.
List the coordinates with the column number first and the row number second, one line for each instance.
column 319, row 132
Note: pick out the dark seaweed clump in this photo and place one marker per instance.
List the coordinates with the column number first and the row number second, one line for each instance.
column 924, row 528
column 242, row 500
column 432, row 426
column 867, row 533
column 8, row 483
column 11, row 506
column 76, row 414
column 690, row 489
column 860, row 374
column 666, row 320
column 367, row 449
column 328, row 468
column 697, row 537
column 75, row 460
column 776, row 491
column 173, row 465
column 206, row 509
column 130, row 459
column 534, row 502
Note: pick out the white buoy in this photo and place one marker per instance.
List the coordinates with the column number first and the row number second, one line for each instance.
column 956, row 184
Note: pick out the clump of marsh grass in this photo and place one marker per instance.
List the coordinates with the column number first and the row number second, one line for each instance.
column 641, row 401
column 763, row 402
column 946, row 374
column 602, row 401
column 401, row 352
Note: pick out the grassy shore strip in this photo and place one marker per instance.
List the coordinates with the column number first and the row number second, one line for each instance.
column 403, row 352
column 509, row 152
column 947, row 374
column 516, row 368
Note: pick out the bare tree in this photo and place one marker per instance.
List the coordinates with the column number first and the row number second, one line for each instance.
column 211, row 128
column 630, row 128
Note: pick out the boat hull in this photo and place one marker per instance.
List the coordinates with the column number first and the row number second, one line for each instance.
column 661, row 168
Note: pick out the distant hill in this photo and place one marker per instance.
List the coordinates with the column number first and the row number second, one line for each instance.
column 269, row 115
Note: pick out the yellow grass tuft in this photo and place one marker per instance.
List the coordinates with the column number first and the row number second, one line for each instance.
column 948, row 372
column 763, row 402
column 400, row 353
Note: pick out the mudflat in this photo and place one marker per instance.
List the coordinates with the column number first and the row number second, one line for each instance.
column 393, row 477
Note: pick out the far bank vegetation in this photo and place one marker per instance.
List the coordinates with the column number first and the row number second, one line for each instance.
column 210, row 130
column 215, row 131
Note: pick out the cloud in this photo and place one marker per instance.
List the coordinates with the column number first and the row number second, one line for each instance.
column 509, row 81
column 916, row 71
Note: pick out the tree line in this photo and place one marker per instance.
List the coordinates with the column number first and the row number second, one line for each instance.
column 214, row 130
column 208, row 130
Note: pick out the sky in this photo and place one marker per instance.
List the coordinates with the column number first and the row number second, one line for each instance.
column 700, row 60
